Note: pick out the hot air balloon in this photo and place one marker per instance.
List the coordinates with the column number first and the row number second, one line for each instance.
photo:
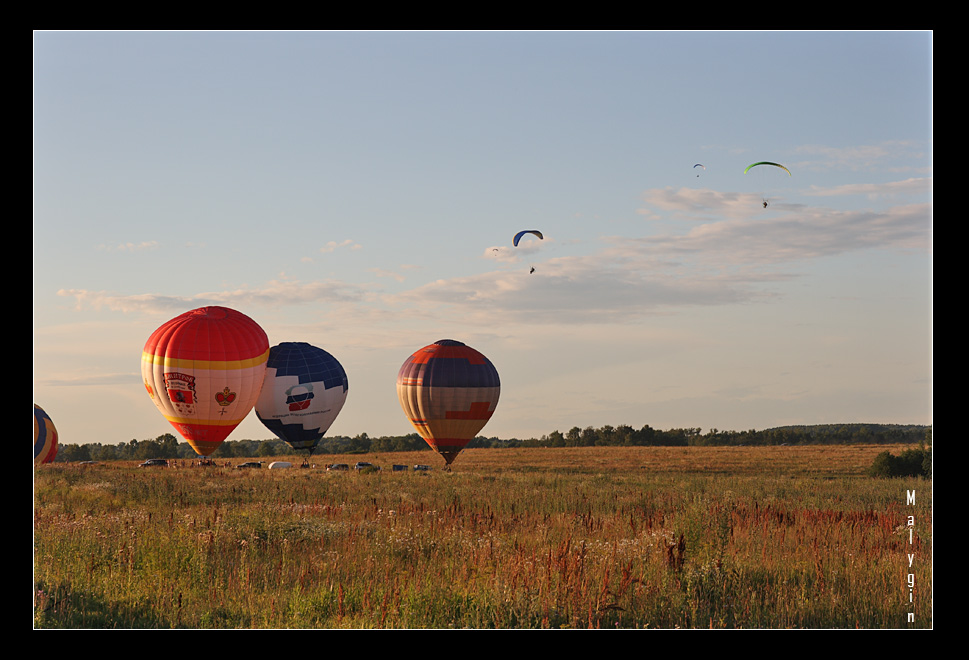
column 45, row 437
column 519, row 235
column 304, row 390
column 448, row 391
column 204, row 369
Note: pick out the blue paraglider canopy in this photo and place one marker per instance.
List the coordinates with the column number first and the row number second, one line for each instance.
column 519, row 235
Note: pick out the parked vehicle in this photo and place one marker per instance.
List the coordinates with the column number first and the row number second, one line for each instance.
column 154, row 462
column 338, row 467
column 365, row 466
column 400, row 468
column 423, row 468
column 250, row 464
column 278, row 465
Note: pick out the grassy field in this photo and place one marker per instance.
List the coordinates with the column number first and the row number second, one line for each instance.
column 718, row 537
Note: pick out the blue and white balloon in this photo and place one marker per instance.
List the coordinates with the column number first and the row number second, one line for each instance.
column 303, row 392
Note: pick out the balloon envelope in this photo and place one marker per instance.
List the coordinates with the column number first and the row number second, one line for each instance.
column 303, row 392
column 448, row 391
column 45, row 437
column 203, row 370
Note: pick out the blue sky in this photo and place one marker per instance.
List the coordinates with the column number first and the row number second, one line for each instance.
column 360, row 191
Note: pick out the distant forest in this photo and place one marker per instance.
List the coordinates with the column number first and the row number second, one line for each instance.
column 168, row 446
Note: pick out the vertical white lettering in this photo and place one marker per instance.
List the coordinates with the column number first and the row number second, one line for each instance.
column 910, row 577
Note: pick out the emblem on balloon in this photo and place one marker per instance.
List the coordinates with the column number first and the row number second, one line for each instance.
column 225, row 397
column 299, row 397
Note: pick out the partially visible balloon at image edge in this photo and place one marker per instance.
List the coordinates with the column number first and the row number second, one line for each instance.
column 45, row 437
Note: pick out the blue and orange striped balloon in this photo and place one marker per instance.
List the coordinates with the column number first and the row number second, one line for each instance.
column 204, row 370
column 45, row 437
column 448, row 391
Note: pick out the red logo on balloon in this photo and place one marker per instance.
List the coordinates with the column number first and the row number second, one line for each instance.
column 299, row 397
column 225, row 397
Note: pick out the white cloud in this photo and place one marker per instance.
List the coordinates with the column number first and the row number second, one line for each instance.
column 571, row 290
column 333, row 245
column 698, row 203
column 130, row 247
column 727, row 254
column 789, row 233
column 272, row 294
column 861, row 157
column 735, row 258
column 501, row 254
column 914, row 186
column 380, row 272
column 530, row 245
column 88, row 380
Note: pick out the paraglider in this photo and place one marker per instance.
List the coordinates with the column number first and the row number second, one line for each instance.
column 769, row 165
column 303, row 392
column 764, row 162
column 519, row 235
column 45, row 437
column 700, row 166
column 203, row 370
column 448, row 391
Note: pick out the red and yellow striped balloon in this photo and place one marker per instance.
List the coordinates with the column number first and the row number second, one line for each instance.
column 204, row 370
column 448, row 391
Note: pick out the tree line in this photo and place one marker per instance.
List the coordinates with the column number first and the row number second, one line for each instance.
column 168, row 446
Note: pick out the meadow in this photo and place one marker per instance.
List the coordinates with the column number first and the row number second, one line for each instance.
column 601, row 538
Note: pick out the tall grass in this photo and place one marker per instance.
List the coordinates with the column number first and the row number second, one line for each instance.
column 595, row 538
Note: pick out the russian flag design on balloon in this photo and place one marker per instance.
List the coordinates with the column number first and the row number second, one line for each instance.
column 204, row 370
column 448, row 391
column 45, row 437
column 304, row 390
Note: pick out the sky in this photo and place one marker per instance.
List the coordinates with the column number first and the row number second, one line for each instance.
column 359, row 190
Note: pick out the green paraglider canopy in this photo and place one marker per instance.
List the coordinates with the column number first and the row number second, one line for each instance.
column 764, row 162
